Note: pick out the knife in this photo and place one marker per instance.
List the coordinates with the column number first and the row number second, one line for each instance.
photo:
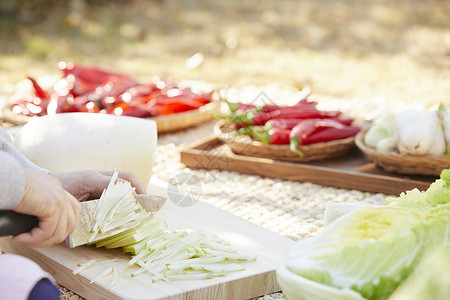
column 14, row 223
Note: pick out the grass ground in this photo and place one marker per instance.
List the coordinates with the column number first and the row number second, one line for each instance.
column 340, row 48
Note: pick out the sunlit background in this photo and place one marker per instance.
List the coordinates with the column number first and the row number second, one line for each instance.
column 399, row 50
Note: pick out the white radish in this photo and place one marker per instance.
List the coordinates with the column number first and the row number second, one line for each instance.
column 76, row 141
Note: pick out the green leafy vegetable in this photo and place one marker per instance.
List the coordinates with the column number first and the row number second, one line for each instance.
column 429, row 280
column 369, row 252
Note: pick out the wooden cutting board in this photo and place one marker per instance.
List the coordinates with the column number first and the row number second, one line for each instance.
column 258, row 278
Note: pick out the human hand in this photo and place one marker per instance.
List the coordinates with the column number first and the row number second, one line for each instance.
column 89, row 184
column 57, row 210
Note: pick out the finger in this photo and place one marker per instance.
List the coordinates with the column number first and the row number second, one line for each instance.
column 49, row 231
column 61, row 232
column 48, row 225
column 96, row 186
column 74, row 214
column 62, row 220
column 131, row 178
column 36, row 238
column 68, row 218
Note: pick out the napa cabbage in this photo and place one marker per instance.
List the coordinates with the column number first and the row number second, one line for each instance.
column 429, row 280
column 368, row 252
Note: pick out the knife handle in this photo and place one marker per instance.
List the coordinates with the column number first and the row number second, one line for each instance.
column 13, row 223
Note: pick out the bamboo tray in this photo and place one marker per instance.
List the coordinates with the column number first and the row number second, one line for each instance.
column 352, row 171
column 186, row 119
column 403, row 164
column 244, row 145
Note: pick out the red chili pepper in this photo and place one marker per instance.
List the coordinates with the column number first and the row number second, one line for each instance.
column 302, row 103
column 290, row 123
column 283, row 123
column 291, row 113
column 174, row 105
column 315, row 131
column 30, row 106
column 79, row 87
column 279, row 136
column 93, row 74
column 179, row 104
column 84, row 80
column 239, row 106
column 139, row 93
column 39, row 92
column 33, row 105
column 299, row 105
column 331, row 134
column 66, row 104
column 245, row 107
column 274, row 136
column 204, row 96
column 91, row 89
column 256, row 118
column 105, row 96
column 137, row 110
column 344, row 120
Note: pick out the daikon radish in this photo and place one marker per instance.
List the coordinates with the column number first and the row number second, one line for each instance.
column 76, row 141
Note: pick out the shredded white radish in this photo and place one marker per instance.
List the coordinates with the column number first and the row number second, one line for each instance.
column 163, row 254
column 90, row 263
column 104, row 274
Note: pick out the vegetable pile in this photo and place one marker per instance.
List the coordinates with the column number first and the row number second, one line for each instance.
column 300, row 124
column 411, row 132
column 94, row 90
column 369, row 252
column 162, row 253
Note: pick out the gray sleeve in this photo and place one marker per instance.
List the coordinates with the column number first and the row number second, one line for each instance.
column 12, row 178
column 12, row 181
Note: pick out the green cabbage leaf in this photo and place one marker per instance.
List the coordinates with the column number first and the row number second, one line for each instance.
column 369, row 252
column 429, row 280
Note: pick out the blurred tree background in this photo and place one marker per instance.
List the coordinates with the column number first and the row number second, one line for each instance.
column 340, row 48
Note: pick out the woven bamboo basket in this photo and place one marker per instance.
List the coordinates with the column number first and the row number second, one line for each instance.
column 244, row 145
column 395, row 162
column 186, row 119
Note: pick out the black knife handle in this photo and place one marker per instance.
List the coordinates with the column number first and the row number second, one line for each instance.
column 13, row 223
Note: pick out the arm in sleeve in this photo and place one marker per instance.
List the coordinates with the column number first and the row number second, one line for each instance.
column 12, row 178
column 6, row 145
column 12, row 181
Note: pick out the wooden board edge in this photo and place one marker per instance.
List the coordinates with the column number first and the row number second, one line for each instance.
column 186, row 119
column 195, row 156
column 237, row 289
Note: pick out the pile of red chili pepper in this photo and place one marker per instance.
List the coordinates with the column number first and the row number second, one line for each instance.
column 94, row 90
column 299, row 124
